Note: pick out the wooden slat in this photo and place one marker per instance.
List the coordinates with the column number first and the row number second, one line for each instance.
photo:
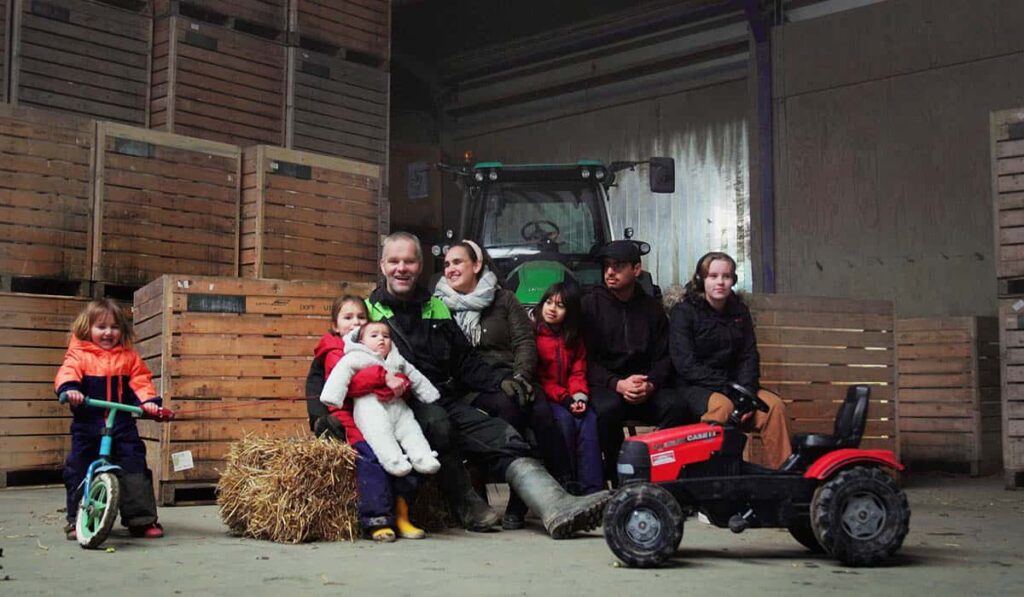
column 363, row 26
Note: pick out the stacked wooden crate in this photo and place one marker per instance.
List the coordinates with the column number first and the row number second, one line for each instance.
column 338, row 83
column 45, row 208
column 230, row 356
column 33, row 337
column 1007, row 151
column 216, row 77
column 88, row 57
column 164, row 204
column 307, row 216
column 813, row 349
column 949, row 404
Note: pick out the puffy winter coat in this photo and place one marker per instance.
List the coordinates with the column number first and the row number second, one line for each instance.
column 506, row 336
column 116, row 375
column 562, row 371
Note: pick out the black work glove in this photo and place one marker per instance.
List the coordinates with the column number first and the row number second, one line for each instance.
column 330, row 428
column 517, row 388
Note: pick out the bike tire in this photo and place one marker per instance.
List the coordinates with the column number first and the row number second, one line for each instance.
column 98, row 510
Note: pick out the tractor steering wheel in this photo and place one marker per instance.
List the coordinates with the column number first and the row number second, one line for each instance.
column 534, row 230
column 743, row 401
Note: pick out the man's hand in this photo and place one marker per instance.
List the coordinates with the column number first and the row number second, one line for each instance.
column 634, row 389
column 397, row 385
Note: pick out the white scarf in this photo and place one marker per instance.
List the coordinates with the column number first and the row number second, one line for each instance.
column 467, row 307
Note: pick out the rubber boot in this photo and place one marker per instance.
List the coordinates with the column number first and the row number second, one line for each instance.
column 562, row 514
column 468, row 507
column 406, row 529
column 515, row 513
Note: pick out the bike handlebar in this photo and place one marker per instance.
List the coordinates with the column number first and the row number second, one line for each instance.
column 162, row 414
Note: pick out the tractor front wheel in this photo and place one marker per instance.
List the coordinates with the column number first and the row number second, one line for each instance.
column 643, row 525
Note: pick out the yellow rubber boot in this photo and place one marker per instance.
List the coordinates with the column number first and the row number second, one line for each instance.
column 406, row 529
column 383, row 535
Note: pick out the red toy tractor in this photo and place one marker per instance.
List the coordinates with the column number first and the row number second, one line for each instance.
column 832, row 496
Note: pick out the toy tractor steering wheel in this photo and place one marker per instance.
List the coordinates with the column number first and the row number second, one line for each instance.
column 534, row 230
column 744, row 401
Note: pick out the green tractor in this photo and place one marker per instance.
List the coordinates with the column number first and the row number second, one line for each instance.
column 541, row 223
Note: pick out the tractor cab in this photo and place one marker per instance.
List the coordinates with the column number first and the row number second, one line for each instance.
column 540, row 223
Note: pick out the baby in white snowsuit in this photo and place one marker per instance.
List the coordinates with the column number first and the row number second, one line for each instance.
column 387, row 424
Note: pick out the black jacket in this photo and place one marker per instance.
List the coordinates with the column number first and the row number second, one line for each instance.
column 426, row 335
column 710, row 349
column 507, row 341
column 625, row 338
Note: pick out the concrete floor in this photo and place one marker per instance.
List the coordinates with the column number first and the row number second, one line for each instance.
column 966, row 538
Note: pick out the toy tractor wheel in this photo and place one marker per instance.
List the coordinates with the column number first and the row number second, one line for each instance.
column 643, row 525
column 802, row 531
column 860, row 516
column 97, row 510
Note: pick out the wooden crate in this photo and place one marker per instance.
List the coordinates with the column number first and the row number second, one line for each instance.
column 230, row 355
column 1011, row 344
column 1007, row 150
column 34, row 427
column 360, row 30
column 164, row 204
column 812, row 349
column 82, row 56
column 949, row 408
column 217, row 83
column 307, row 216
column 337, row 107
column 264, row 16
column 45, row 205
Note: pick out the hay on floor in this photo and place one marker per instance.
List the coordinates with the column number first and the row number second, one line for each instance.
column 289, row 490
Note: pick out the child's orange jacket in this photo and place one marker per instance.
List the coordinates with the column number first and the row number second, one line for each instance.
column 117, row 375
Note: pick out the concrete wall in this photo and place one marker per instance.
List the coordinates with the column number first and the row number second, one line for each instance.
column 882, row 156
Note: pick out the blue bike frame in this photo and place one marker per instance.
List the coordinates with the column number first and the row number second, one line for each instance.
column 101, row 464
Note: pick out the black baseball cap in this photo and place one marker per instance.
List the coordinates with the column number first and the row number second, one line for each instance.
column 622, row 250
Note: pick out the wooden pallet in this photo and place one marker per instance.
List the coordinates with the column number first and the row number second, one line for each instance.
column 164, row 204
column 949, row 407
column 308, row 217
column 360, row 30
column 269, row 18
column 82, row 56
column 45, row 204
column 812, row 349
column 217, row 83
column 337, row 107
column 1007, row 150
column 1011, row 344
column 231, row 356
column 34, row 427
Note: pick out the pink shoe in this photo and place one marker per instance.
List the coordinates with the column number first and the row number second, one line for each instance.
column 150, row 531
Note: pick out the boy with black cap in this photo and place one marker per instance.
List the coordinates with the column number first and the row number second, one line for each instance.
column 629, row 368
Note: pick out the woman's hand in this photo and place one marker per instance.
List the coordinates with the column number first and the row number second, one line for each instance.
column 75, row 398
column 516, row 387
column 397, row 385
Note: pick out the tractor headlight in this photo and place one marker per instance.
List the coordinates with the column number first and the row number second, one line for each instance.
column 492, row 175
column 599, row 174
column 478, row 176
column 585, row 173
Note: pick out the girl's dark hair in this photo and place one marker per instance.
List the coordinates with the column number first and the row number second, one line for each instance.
column 340, row 302
column 571, row 326
column 486, row 258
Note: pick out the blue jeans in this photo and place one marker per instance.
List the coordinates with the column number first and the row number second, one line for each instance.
column 581, row 443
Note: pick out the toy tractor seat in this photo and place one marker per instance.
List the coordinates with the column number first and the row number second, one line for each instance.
column 849, row 427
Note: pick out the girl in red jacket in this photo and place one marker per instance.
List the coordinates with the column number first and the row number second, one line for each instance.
column 101, row 364
column 562, row 373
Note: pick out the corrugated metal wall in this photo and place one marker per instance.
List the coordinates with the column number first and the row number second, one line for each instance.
column 693, row 110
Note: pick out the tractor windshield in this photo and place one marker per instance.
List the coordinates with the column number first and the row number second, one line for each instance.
column 521, row 218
